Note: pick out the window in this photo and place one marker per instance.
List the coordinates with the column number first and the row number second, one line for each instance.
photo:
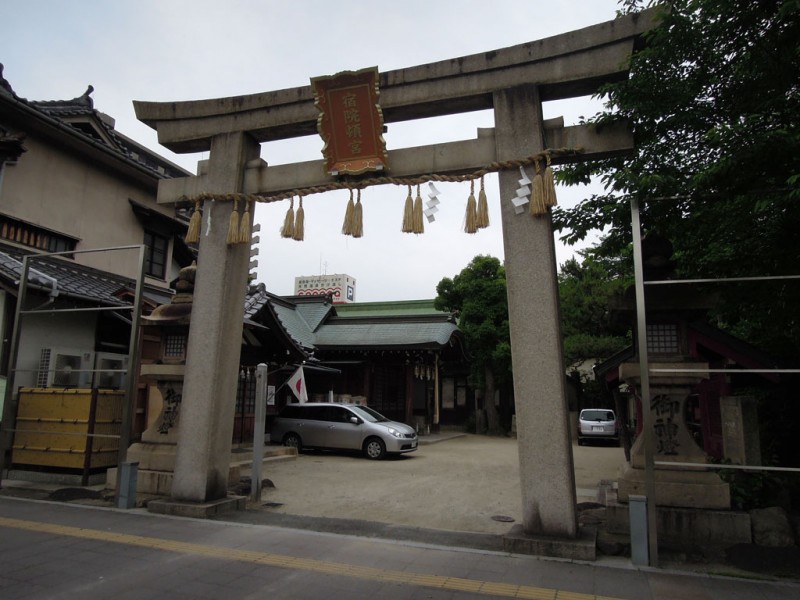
column 662, row 338
column 174, row 346
column 34, row 236
column 156, row 255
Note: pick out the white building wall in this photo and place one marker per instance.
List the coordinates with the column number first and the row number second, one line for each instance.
column 69, row 332
column 64, row 192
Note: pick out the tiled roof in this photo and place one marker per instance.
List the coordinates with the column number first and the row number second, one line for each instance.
column 295, row 325
column 314, row 313
column 84, row 121
column 397, row 308
column 402, row 333
column 255, row 301
column 311, row 322
column 274, row 308
column 67, row 279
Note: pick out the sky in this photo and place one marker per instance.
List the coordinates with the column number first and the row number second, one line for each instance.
column 175, row 50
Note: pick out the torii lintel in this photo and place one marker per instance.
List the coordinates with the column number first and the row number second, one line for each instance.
column 568, row 65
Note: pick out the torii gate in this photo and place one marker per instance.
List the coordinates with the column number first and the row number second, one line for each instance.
column 513, row 82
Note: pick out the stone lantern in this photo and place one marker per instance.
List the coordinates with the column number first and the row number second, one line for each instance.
column 670, row 310
column 156, row 452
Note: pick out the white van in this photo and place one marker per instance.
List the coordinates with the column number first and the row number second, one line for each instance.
column 597, row 424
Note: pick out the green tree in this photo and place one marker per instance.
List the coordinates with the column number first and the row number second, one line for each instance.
column 713, row 99
column 587, row 289
column 477, row 295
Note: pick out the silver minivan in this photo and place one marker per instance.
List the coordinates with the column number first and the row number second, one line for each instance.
column 342, row 427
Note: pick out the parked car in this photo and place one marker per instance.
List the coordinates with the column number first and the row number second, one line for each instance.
column 342, row 427
column 597, row 424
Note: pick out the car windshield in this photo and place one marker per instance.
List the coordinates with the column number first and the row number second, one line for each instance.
column 597, row 415
column 368, row 414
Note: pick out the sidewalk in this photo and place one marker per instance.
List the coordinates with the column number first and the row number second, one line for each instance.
column 462, row 494
column 56, row 550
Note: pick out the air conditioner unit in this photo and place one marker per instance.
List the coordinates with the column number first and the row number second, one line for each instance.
column 64, row 368
column 110, row 370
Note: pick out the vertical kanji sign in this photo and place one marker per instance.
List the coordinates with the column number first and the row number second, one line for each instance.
column 350, row 121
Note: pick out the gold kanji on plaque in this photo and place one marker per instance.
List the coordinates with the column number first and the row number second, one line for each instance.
column 350, row 121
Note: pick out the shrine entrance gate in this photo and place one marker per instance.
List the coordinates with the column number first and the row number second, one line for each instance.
column 512, row 82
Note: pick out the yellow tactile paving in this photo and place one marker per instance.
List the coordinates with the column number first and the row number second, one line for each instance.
column 488, row 588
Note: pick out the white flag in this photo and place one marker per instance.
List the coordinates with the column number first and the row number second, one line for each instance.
column 297, row 383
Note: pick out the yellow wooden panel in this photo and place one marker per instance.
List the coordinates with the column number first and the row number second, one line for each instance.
column 74, row 443
column 53, row 425
column 48, row 459
column 69, row 405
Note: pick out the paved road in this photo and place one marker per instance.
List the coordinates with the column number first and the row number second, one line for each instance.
column 423, row 525
column 56, row 550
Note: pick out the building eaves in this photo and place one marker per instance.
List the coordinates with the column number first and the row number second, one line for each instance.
column 393, row 309
column 385, row 334
column 59, row 117
column 735, row 349
column 614, row 361
column 171, row 224
column 64, row 279
column 264, row 307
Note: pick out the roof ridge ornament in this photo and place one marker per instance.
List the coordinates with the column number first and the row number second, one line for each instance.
column 84, row 100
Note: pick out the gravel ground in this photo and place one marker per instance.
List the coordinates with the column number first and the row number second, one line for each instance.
column 457, row 484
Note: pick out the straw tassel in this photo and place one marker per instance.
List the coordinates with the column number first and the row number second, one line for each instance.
column 408, row 214
column 233, row 225
column 287, row 230
column 358, row 220
column 193, row 233
column 537, row 207
column 419, row 224
column 549, row 186
column 244, row 225
column 347, row 225
column 470, row 220
column 482, row 220
column 299, row 222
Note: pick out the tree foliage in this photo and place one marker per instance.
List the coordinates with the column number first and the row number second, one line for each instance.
column 713, row 99
column 586, row 290
column 477, row 295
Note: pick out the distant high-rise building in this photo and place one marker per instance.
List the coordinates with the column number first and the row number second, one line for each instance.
column 341, row 287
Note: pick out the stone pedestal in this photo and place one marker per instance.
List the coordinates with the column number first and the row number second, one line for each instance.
column 740, row 429
column 679, row 486
column 156, row 452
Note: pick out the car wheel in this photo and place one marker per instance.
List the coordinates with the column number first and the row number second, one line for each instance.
column 374, row 448
column 292, row 440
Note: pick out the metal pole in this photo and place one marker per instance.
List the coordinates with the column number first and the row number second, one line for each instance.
column 436, row 398
column 12, row 399
column 258, row 432
column 131, row 380
column 644, row 375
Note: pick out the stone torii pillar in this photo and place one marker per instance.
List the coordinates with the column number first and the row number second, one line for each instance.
column 547, row 478
column 215, row 337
